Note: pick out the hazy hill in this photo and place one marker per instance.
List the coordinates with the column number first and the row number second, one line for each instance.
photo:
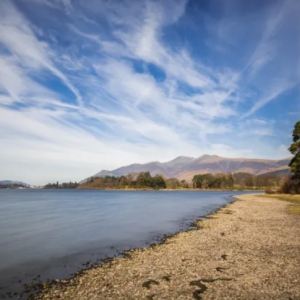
column 184, row 167
column 9, row 182
column 281, row 172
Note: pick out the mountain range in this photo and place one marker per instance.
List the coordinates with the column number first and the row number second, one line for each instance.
column 184, row 167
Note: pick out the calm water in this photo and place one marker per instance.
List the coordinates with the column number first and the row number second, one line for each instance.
column 52, row 233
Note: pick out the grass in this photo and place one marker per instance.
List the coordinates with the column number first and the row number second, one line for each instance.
column 294, row 207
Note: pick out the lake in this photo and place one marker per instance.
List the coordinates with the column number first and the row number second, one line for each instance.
column 49, row 234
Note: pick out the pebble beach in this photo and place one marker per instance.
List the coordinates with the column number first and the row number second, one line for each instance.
column 249, row 249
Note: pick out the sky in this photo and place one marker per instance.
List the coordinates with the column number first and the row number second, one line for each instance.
column 87, row 85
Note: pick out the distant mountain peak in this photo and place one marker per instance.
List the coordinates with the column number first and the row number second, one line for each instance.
column 208, row 155
column 183, row 158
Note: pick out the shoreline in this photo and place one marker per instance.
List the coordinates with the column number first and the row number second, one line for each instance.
column 144, row 190
column 173, row 190
column 141, row 190
column 35, row 290
column 108, row 279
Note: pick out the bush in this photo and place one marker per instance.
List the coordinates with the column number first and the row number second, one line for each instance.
column 269, row 190
column 290, row 186
column 242, row 187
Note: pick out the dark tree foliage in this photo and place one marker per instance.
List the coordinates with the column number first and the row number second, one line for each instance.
column 64, row 185
column 159, row 182
column 12, row 186
column 227, row 181
column 215, row 181
column 142, row 180
column 295, row 149
column 250, row 180
column 291, row 184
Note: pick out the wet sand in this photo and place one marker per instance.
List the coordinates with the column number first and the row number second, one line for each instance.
column 248, row 250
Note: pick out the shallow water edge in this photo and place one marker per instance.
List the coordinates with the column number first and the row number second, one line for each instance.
column 35, row 291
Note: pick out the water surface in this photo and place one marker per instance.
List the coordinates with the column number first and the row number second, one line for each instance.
column 48, row 234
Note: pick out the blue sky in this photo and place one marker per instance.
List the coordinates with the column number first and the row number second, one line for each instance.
column 87, row 85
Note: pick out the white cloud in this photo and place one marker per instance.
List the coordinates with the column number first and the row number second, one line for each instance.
column 228, row 151
column 256, row 127
column 282, row 151
column 124, row 112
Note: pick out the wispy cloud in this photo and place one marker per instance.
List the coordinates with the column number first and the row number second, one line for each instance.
column 269, row 55
column 281, row 85
column 18, row 38
column 99, row 84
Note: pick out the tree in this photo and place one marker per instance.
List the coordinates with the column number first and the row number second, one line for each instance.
column 295, row 149
column 230, row 180
column 204, row 184
column 249, row 181
column 90, row 180
column 64, row 185
column 159, row 182
column 172, row 183
column 129, row 178
column 184, row 184
column 197, row 181
column 213, row 181
column 123, row 181
column 144, row 179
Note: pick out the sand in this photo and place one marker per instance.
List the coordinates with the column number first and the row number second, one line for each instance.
column 248, row 250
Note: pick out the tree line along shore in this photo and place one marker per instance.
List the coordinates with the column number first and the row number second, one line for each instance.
column 144, row 180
